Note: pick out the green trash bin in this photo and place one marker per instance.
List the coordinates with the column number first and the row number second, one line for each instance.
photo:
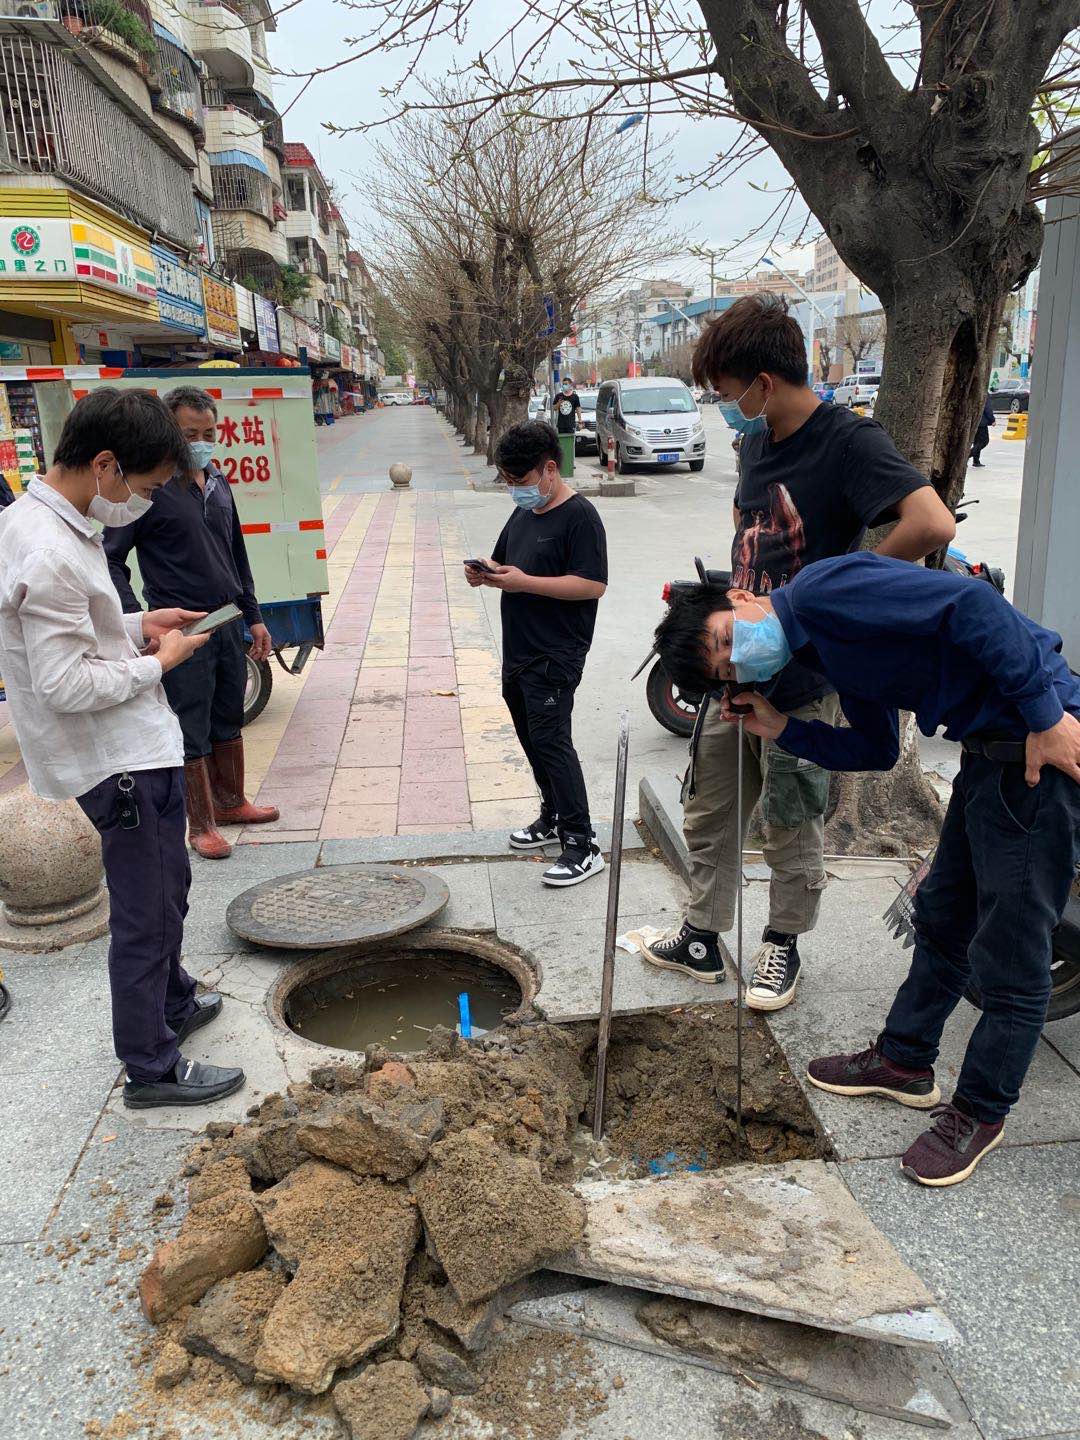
column 566, row 445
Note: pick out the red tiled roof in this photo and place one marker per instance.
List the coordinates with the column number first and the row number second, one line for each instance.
column 298, row 154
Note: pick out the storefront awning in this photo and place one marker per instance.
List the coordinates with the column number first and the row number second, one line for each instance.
column 237, row 157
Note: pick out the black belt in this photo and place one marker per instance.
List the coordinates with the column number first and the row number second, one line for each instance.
column 1002, row 752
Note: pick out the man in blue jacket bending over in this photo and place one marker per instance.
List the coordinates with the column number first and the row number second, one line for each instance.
column 891, row 636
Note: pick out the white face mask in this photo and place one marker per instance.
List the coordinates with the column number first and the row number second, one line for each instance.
column 117, row 512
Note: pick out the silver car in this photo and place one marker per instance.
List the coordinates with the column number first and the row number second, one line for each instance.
column 585, row 435
column 652, row 421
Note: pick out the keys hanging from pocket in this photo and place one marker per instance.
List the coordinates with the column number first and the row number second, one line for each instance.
column 127, row 812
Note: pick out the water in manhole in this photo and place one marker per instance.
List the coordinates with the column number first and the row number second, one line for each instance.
column 397, row 997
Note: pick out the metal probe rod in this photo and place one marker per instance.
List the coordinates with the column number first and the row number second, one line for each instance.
column 607, row 985
column 738, row 936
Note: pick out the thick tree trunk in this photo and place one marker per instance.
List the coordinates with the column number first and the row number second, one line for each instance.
column 495, row 426
column 479, row 428
column 895, row 812
column 513, row 407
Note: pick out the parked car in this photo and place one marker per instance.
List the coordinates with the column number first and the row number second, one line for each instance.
column 824, row 390
column 396, row 397
column 538, row 407
column 1012, row 397
column 585, row 438
column 856, row 389
column 653, row 421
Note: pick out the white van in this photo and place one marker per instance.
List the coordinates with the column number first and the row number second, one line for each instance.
column 653, row 421
column 857, row 389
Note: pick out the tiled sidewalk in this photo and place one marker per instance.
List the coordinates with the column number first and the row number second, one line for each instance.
column 399, row 727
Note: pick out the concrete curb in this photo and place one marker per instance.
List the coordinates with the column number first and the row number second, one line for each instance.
column 660, row 809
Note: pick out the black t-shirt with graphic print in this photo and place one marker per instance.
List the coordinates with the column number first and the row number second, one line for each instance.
column 568, row 540
column 566, row 408
column 805, row 498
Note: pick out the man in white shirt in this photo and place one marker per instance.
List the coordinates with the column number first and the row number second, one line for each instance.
column 83, row 684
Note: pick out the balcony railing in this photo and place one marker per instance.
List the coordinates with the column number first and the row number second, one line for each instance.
column 56, row 121
column 237, row 187
column 179, row 79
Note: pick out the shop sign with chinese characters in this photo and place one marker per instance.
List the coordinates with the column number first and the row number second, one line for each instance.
column 266, row 324
column 222, row 325
column 245, row 451
column 179, row 292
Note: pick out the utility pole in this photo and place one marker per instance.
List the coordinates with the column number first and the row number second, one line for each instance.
column 712, row 280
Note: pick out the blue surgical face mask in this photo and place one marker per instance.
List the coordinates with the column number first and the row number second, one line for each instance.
column 202, row 451
column 759, row 649
column 734, row 416
column 527, row 497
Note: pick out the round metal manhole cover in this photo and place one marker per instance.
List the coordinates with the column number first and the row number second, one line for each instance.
column 336, row 905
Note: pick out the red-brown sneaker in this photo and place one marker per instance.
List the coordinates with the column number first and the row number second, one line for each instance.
column 949, row 1151
column 869, row 1072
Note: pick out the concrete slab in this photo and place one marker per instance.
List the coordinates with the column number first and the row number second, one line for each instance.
column 33, row 1044
column 119, row 1175
column 1001, row 1251
column 471, row 906
column 786, row 1241
column 44, row 1121
column 646, row 887
column 1064, row 1036
column 569, row 959
column 831, row 1022
column 892, row 1380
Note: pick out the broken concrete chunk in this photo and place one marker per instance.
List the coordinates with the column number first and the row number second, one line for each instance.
column 350, row 1240
column 440, row 1401
column 372, row 1139
column 385, row 1402
column 389, row 1078
column 219, row 1237
column 490, row 1217
column 227, row 1323
column 270, row 1151
column 471, row 1324
column 171, row 1366
column 443, row 1366
column 218, row 1176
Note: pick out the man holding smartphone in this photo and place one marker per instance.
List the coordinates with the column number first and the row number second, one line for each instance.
column 191, row 552
column 550, row 562
column 93, row 722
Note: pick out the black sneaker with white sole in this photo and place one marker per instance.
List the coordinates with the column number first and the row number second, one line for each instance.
column 535, row 836
column 692, row 952
column 580, row 858
column 776, row 972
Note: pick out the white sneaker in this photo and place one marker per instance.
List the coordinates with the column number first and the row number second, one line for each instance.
column 576, row 863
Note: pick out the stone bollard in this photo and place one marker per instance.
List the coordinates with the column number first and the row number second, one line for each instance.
column 400, row 476
column 51, row 893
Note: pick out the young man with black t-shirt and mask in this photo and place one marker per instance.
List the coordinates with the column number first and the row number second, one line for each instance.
column 567, row 408
column 550, row 562
column 812, row 479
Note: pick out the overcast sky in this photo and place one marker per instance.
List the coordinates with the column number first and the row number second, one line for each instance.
column 311, row 35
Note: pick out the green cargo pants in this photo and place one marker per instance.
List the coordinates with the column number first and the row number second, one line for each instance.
column 794, row 796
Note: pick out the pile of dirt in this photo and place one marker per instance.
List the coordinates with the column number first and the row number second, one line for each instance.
column 356, row 1240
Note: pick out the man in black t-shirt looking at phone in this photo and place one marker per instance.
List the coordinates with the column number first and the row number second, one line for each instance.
column 812, row 479
column 550, row 562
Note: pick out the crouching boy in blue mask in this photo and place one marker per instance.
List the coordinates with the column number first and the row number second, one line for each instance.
column 550, row 562
column 891, row 636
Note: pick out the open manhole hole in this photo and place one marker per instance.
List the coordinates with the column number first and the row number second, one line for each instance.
column 395, row 994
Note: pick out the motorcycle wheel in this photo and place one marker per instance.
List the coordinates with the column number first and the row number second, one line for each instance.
column 260, row 682
column 675, row 709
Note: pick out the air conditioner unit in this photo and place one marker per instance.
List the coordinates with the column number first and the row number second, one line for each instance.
column 34, row 10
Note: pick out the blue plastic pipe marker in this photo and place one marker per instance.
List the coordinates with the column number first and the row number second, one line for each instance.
column 465, row 1018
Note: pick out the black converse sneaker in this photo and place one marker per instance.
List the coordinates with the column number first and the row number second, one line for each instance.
column 535, row 836
column 776, row 972
column 692, row 952
column 580, row 858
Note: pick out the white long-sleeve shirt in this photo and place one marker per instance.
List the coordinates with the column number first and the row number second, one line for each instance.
column 84, row 703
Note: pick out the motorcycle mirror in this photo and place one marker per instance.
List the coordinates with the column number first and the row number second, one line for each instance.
column 702, row 573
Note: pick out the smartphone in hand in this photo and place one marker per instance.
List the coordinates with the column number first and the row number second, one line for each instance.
column 213, row 621
column 478, row 565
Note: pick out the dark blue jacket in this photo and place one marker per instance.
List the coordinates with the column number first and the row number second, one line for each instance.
column 190, row 549
column 890, row 636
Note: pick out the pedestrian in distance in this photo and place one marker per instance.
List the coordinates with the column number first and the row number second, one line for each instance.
column 550, row 562
column 812, row 478
column 93, row 723
column 567, row 408
column 982, row 434
column 191, row 552
column 890, row 637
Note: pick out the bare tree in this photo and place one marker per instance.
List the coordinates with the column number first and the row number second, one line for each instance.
column 490, row 248
column 825, row 357
column 922, row 148
column 859, row 335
